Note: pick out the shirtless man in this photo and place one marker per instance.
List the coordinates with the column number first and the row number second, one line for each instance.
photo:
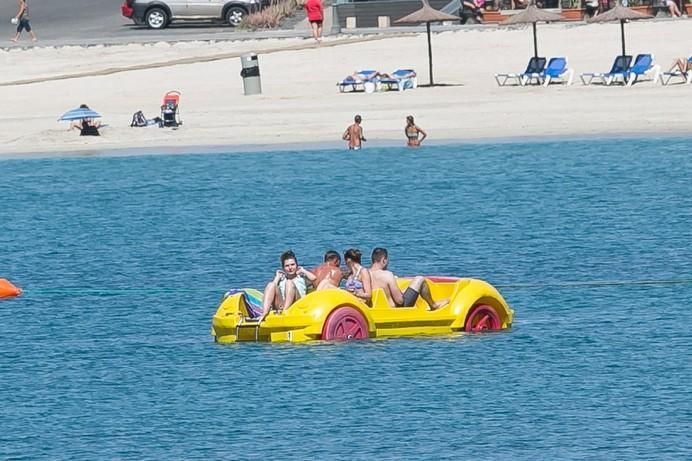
column 354, row 135
column 383, row 278
column 288, row 285
column 329, row 273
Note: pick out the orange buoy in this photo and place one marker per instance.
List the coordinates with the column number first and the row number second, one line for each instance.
column 7, row 290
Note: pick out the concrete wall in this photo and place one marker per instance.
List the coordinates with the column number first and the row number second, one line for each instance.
column 367, row 12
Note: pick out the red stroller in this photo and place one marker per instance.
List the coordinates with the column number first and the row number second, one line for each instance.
column 170, row 110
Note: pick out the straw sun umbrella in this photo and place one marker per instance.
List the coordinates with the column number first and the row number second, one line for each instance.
column 532, row 15
column 427, row 14
column 622, row 14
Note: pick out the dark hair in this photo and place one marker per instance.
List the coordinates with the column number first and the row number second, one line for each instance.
column 409, row 119
column 83, row 106
column 332, row 255
column 378, row 254
column 353, row 254
column 357, row 119
column 288, row 255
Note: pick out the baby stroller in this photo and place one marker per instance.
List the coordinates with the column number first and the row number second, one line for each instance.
column 170, row 110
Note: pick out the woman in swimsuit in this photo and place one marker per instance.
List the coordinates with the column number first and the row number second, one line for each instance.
column 412, row 131
column 359, row 282
column 288, row 285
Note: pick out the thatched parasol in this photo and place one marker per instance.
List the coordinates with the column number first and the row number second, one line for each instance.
column 426, row 15
column 622, row 14
column 531, row 15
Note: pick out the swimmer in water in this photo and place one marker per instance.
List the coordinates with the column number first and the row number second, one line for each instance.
column 412, row 132
column 354, row 134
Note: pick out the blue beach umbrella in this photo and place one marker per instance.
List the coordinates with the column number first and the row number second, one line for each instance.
column 79, row 114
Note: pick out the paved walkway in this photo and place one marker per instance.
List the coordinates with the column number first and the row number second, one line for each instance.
column 99, row 22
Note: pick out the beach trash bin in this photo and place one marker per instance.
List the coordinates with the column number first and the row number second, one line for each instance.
column 251, row 74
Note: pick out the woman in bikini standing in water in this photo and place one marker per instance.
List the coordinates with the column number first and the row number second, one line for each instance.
column 412, row 131
column 359, row 282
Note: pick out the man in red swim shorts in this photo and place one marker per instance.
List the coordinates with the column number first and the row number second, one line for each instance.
column 315, row 13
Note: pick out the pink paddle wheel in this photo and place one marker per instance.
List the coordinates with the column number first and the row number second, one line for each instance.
column 345, row 323
column 482, row 318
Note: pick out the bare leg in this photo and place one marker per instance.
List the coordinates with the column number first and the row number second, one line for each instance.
column 33, row 36
column 679, row 64
column 319, row 33
column 289, row 293
column 269, row 298
column 427, row 296
column 16, row 37
column 421, row 286
column 313, row 25
column 416, row 283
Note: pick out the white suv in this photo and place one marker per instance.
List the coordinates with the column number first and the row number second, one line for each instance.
column 158, row 14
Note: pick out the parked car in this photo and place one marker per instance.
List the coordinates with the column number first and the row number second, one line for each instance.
column 158, row 14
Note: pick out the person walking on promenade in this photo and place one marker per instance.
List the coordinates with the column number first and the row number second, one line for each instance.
column 412, row 132
column 354, row 134
column 22, row 21
column 315, row 13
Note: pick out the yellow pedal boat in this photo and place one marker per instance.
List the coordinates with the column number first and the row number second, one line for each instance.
column 336, row 314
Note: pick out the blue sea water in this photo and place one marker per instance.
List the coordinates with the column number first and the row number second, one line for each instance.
column 124, row 259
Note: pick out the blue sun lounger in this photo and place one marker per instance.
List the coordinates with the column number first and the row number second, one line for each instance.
column 642, row 67
column 557, row 72
column 620, row 67
column 685, row 77
column 400, row 79
column 533, row 70
column 357, row 81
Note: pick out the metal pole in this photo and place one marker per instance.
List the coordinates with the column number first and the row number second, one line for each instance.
column 535, row 42
column 622, row 35
column 427, row 26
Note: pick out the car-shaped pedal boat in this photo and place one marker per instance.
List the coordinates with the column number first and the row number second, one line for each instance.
column 335, row 314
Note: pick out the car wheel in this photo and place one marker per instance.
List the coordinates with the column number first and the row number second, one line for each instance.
column 156, row 18
column 235, row 15
column 482, row 318
column 344, row 324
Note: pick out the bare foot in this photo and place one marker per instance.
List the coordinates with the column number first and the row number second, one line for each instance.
column 439, row 304
column 13, row 40
column 34, row 40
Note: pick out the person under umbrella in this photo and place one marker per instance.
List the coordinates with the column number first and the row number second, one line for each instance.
column 83, row 119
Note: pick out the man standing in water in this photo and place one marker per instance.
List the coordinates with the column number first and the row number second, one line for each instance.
column 383, row 278
column 22, row 21
column 354, row 134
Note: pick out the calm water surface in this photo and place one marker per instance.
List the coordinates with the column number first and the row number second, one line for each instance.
column 124, row 259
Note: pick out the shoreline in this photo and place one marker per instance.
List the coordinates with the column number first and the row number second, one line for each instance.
column 301, row 108
column 243, row 149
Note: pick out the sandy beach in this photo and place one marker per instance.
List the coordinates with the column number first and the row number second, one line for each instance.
column 300, row 102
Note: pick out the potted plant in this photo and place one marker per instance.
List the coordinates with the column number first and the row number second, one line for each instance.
column 572, row 10
column 642, row 6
